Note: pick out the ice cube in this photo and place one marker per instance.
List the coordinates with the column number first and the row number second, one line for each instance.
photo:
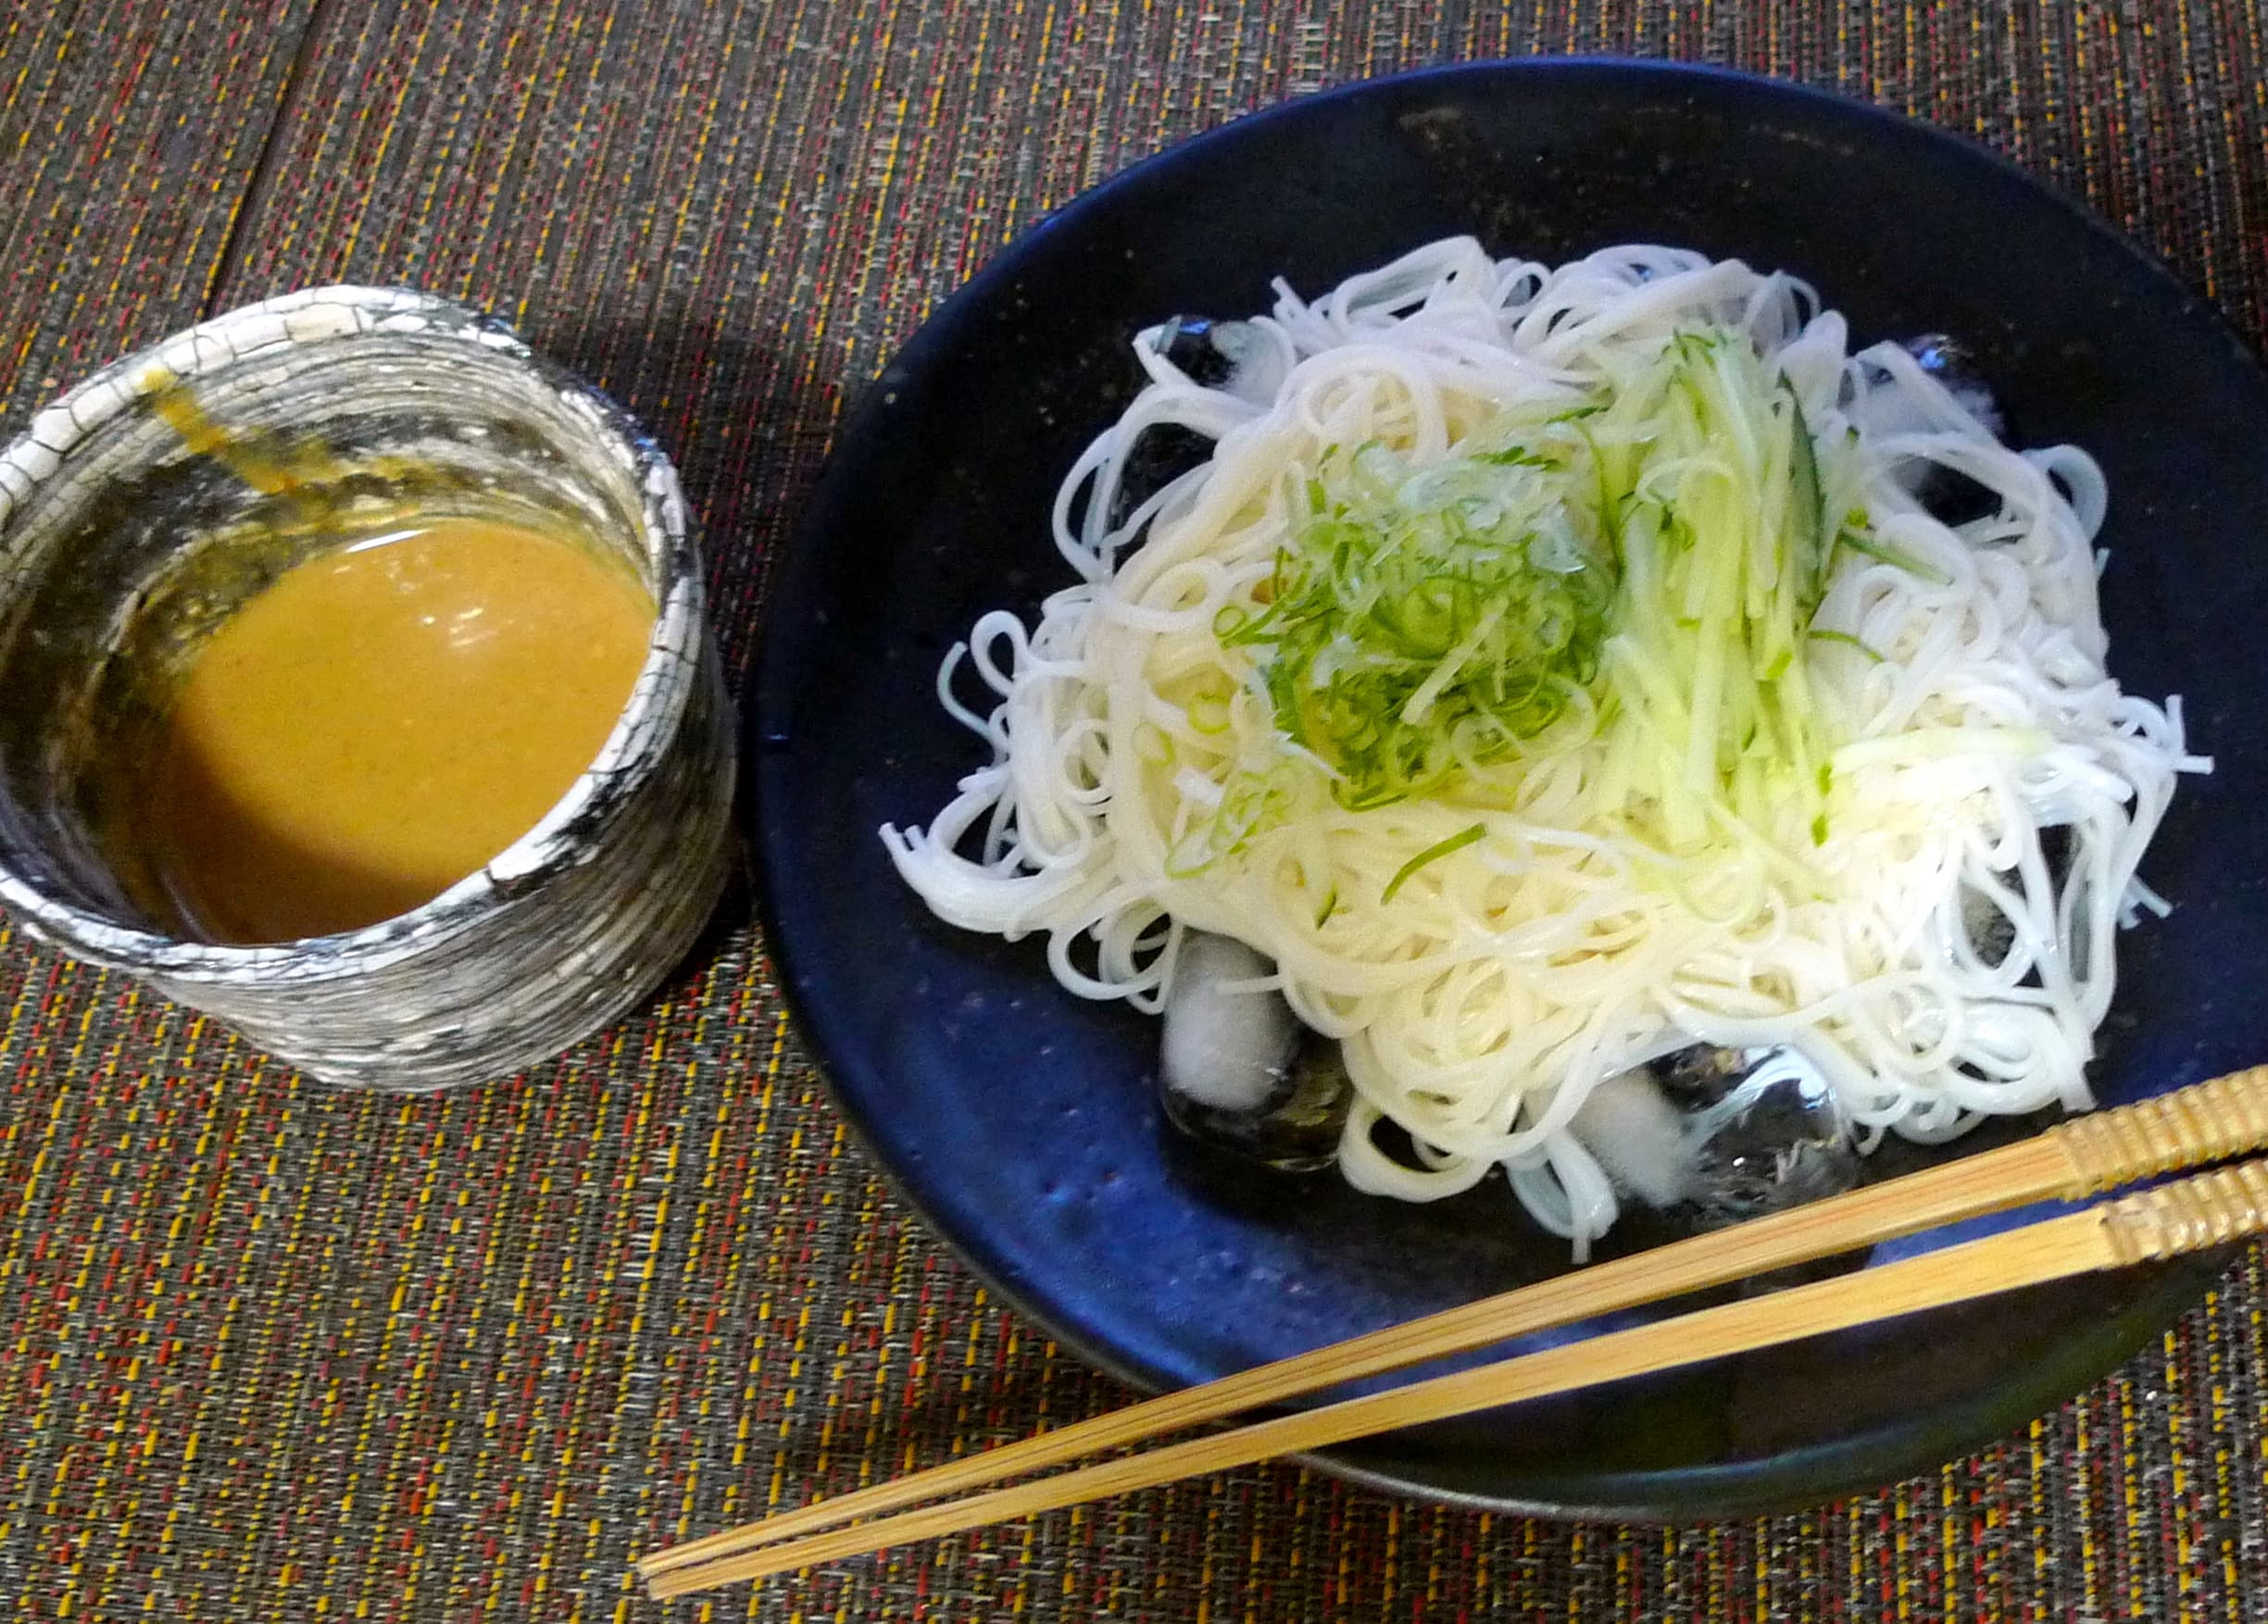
column 1236, row 1070
column 1763, row 1129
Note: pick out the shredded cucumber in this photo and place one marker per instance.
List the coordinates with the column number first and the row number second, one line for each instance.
column 1707, row 707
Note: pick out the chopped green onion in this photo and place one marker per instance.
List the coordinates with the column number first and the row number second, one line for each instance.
column 1208, row 709
column 1433, row 619
column 1432, row 854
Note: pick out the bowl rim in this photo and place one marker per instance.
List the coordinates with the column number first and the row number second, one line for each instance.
column 635, row 746
column 1811, row 1476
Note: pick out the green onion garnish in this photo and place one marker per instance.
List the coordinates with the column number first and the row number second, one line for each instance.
column 1426, row 619
column 1432, row 854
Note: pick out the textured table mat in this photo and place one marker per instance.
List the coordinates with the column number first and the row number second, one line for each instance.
column 272, row 1352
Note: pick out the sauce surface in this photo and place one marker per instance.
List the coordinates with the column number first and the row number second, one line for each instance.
column 382, row 720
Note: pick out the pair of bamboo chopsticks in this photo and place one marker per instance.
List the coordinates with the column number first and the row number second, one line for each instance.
column 2209, row 1122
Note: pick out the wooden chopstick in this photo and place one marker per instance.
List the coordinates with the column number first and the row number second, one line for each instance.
column 2207, row 1122
column 2184, row 1216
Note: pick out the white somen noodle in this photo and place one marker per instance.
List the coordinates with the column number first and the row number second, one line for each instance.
column 1554, row 907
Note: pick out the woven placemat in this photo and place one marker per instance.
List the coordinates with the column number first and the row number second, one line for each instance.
column 273, row 1352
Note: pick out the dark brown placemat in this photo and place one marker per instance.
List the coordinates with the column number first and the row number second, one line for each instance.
column 270, row 1352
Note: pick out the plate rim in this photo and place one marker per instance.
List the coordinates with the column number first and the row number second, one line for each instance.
column 1987, row 1416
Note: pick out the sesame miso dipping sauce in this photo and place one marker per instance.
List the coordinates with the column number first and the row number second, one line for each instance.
column 383, row 719
column 369, row 699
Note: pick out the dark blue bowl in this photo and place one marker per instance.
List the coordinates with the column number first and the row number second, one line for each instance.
column 1019, row 1120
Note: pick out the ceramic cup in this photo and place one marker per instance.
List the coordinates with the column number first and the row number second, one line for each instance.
column 120, row 547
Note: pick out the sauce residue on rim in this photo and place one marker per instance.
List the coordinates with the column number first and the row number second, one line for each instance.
column 382, row 720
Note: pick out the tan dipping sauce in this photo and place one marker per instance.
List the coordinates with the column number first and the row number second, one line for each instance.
column 384, row 719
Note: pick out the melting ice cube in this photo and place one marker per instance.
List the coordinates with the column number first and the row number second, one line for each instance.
column 1724, row 1133
column 1238, row 1070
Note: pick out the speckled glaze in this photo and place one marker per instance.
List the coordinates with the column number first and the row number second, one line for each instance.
column 116, row 554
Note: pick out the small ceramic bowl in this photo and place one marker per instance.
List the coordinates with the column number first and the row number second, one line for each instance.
column 120, row 548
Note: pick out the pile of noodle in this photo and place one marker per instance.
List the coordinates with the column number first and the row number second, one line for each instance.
column 1479, row 1001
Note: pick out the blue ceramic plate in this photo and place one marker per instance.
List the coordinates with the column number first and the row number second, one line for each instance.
column 1019, row 1120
